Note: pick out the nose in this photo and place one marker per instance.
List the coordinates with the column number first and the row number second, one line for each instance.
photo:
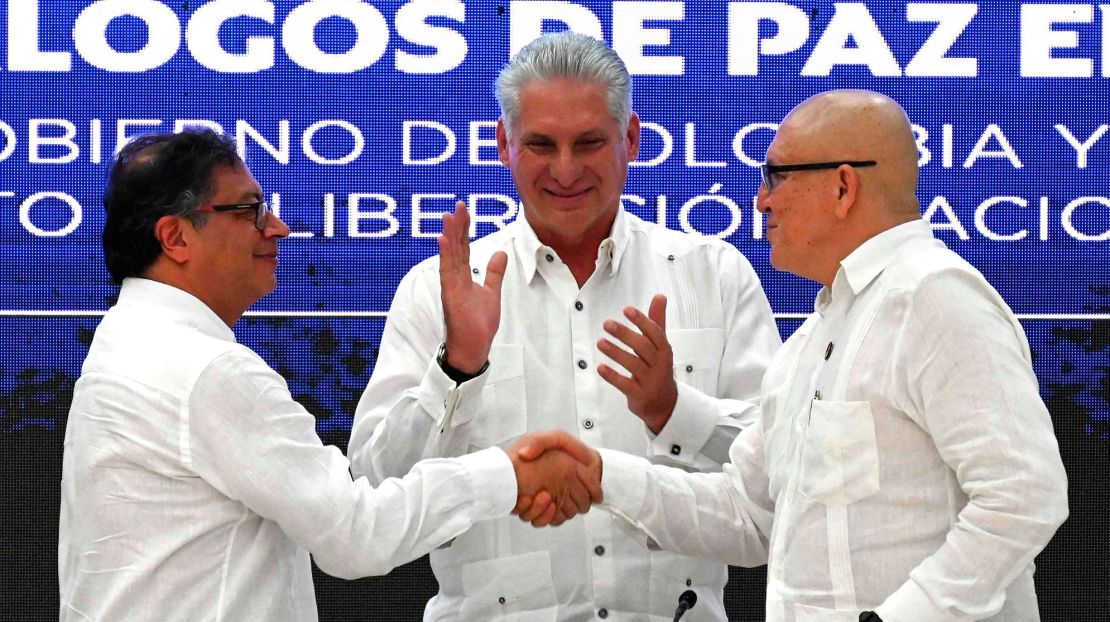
column 762, row 199
column 565, row 167
column 275, row 227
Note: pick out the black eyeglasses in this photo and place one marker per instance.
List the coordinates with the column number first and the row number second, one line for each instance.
column 767, row 170
column 261, row 211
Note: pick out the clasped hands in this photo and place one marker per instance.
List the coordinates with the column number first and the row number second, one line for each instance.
column 557, row 476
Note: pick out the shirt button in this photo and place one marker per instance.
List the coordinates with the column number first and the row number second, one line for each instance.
column 689, row 368
column 581, row 364
column 578, row 305
column 689, row 583
column 550, row 258
column 676, row 450
column 474, row 270
column 670, row 257
column 501, row 600
column 599, row 550
column 588, row 424
column 603, row 613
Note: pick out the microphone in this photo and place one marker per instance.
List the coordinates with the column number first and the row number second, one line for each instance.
column 685, row 602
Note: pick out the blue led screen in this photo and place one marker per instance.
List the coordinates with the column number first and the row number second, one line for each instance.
column 365, row 121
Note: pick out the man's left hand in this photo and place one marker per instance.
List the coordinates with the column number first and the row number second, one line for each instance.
column 650, row 389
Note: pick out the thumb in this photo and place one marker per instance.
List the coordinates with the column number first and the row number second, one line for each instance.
column 495, row 270
column 534, row 444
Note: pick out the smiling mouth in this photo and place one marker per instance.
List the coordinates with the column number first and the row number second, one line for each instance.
column 566, row 195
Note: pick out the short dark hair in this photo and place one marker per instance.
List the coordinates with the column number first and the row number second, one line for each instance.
column 154, row 176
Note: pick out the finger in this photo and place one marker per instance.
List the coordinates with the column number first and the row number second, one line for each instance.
column 636, row 365
column 637, row 342
column 578, row 497
column 624, row 384
column 651, row 330
column 547, row 518
column 591, row 479
column 564, row 509
column 534, row 444
column 462, row 234
column 657, row 311
column 523, row 502
column 540, row 505
column 448, row 257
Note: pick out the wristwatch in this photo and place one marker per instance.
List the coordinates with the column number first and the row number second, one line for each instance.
column 458, row 376
column 869, row 616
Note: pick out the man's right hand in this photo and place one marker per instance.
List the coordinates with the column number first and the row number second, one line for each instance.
column 472, row 312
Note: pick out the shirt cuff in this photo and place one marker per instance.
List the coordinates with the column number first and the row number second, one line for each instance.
column 450, row 404
column 910, row 603
column 692, row 422
column 623, row 483
column 491, row 473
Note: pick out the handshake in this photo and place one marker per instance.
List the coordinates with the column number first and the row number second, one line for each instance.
column 557, row 477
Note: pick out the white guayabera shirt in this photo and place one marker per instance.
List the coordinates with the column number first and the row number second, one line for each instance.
column 194, row 487
column 543, row 374
column 903, row 461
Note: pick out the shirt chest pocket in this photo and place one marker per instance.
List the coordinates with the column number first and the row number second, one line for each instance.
column 697, row 356
column 840, row 459
column 503, row 413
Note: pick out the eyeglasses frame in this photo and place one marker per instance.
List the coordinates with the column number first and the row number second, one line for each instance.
column 767, row 170
column 261, row 211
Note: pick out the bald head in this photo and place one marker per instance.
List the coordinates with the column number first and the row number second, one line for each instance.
column 860, row 125
column 842, row 169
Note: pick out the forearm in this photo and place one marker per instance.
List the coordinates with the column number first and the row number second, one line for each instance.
column 404, row 417
column 267, row 457
column 696, row 514
column 701, row 429
column 405, row 518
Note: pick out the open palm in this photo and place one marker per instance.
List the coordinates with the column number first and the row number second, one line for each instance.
column 472, row 311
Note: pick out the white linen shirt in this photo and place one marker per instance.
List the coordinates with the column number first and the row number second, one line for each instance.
column 904, row 461
column 542, row 375
column 194, row 487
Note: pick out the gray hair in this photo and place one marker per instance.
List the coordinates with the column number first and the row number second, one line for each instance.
column 565, row 55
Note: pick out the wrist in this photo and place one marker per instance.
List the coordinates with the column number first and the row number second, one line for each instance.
column 459, row 375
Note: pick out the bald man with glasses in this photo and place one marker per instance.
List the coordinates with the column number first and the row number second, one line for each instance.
column 903, row 467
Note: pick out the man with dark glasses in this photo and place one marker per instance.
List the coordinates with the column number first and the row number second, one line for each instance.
column 193, row 486
column 904, row 467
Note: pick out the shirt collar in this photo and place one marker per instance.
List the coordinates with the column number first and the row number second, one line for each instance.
column 530, row 250
column 174, row 305
column 867, row 262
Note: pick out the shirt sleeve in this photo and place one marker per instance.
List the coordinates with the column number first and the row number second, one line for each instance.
column 410, row 409
column 253, row 443
column 722, row 516
column 970, row 383
column 702, row 427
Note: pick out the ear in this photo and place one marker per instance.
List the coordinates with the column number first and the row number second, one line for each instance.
column 632, row 137
column 847, row 188
column 502, row 142
column 171, row 235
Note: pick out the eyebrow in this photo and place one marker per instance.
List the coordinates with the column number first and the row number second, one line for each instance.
column 246, row 197
column 591, row 133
